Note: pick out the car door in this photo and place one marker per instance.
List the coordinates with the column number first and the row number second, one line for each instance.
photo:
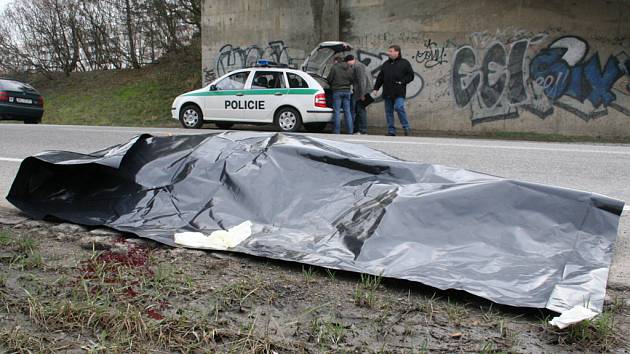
column 266, row 92
column 222, row 102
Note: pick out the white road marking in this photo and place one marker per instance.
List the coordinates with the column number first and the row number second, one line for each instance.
column 384, row 141
column 488, row 146
column 10, row 159
column 480, row 145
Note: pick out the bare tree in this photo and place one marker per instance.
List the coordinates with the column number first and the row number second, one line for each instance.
column 79, row 35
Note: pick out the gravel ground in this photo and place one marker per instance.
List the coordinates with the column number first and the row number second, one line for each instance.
column 67, row 288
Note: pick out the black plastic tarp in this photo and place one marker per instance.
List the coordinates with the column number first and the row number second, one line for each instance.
column 341, row 206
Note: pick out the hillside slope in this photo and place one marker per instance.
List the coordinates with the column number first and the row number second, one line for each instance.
column 122, row 97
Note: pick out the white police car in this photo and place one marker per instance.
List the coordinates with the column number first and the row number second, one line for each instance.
column 284, row 97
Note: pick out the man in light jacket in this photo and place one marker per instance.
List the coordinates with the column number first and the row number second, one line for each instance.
column 361, row 86
column 396, row 73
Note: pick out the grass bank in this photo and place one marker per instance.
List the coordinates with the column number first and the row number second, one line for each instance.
column 122, row 97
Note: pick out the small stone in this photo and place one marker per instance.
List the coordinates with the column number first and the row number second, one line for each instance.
column 608, row 300
column 162, row 252
column 456, row 335
column 196, row 253
column 105, row 232
column 185, row 251
column 6, row 255
column 97, row 243
column 11, row 219
column 141, row 242
column 69, row 228
column 43, row 231
column 62, row 236
column 120, row 248
column 224, row 256
column 33, row 224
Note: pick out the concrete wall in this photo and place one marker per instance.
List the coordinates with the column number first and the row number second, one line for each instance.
column 236, row 33
column 545, row 66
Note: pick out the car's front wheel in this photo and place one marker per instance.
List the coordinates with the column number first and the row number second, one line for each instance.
column 288, row 119
column 191, row 117
column 315, row 127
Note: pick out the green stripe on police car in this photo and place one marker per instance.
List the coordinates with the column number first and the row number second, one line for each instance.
column 255, row 92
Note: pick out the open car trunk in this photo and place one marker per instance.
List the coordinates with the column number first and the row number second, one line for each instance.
column 319, row 62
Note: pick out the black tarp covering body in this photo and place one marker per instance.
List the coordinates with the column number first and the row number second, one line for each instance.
column 341, row 206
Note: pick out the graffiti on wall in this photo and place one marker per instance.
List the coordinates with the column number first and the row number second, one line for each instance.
column 231, row 57
column 576, row 82
column 433, row 54
column 499, row 80
column 374, row 62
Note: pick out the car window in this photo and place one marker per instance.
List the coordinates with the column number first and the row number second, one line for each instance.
column 11, row 85
column 296, row 81
column 268, row 80
column 233, row 82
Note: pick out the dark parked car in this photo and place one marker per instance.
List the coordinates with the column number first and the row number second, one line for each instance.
column 20, row 101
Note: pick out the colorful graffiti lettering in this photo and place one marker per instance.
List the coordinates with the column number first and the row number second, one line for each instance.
column 574, row 83
column 374, row 62
column 498, row 83
column 232, row 58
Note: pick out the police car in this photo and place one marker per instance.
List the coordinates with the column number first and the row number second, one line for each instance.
column 263, row 94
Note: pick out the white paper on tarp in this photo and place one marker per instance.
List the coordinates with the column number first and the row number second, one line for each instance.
column 218, row 240
column 573, row 316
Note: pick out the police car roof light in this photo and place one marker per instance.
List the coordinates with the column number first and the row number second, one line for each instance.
column 263, row 62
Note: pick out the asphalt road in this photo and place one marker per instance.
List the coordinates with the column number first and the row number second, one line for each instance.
column 600, row 168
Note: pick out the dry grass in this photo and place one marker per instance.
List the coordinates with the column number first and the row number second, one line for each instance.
column 143, row 300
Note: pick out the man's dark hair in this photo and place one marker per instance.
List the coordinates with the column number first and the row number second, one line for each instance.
column 396, row 47
column 348, row 58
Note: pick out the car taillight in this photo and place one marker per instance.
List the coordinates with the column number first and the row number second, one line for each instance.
column 320, row 100
column 4, row 96
column 40, row 101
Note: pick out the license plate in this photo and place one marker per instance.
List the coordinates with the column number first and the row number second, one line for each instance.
column 23, row 100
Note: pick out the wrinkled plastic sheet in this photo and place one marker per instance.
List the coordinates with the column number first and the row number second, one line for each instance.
column 341, row 206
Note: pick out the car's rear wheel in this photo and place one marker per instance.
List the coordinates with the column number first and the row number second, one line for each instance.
column 191, row 117
column 32, row 121
column 224, row 125
column 315, row 127
column 288, row 119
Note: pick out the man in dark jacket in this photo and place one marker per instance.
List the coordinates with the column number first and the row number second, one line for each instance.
column 396, row 73
column 340, row 81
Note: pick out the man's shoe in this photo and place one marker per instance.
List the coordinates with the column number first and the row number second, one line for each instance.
column 407, row 132
column 391, row 134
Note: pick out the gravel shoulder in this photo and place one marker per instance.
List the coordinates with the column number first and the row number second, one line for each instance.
column 64, row 287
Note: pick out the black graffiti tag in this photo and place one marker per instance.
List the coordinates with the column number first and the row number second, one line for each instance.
column 431, row 55
column 232, row 58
